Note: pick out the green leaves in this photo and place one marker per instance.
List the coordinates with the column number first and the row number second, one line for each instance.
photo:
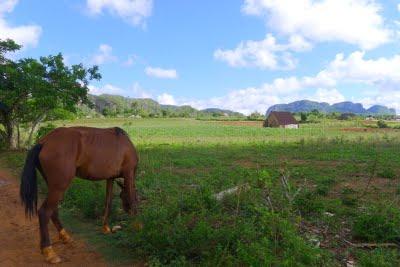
column 33, row 88
column 7, row 46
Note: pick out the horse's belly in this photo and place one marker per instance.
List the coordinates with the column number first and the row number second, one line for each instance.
column 98, row 170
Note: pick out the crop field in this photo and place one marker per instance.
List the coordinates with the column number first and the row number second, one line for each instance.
column 327, row 194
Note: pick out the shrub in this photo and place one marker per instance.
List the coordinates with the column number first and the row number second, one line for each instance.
column 387, row 173
column 379, row 257
column 196, row 230
column 382, row 124
column 348, row 197
column 309, row 203
column 322, row 190
column 377, row 224
column 45, row 129
column 303, row 117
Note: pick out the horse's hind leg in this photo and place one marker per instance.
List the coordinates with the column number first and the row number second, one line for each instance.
column 62, row 233
column 45, row 212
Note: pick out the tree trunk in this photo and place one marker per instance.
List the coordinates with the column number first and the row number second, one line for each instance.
column 11, row 137
column 12, row 140
column 33, row 128
column 18, row 137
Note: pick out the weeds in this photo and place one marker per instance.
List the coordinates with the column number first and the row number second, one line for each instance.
column 377, row 224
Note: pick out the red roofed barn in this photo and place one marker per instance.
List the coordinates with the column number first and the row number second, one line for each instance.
column 281, row 119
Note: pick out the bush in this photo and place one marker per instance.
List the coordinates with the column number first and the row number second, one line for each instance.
column 303, row 117
column 387, row 173
column 45, row 129
column 198, row 230
column 382, row 124
column 348, row 197
column 309, row 203
column 379, row 257
column 322, row 190
column 377, row 224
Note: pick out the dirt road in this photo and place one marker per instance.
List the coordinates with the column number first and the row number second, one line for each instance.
column 19, row 236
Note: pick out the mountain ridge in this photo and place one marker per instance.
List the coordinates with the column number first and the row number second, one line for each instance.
column 108, row 104
column 341, row 107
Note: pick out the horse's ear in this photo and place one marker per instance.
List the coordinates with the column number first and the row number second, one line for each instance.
column 120, row 184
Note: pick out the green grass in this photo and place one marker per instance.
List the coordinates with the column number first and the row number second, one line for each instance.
column 337, row 168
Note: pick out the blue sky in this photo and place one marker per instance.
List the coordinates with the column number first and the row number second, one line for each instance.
column 244, row 55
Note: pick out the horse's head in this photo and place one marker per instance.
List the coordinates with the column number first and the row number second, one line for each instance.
column 128, row 204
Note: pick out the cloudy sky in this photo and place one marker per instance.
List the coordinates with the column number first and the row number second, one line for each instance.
column 244, row 55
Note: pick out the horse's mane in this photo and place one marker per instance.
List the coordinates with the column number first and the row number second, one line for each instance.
column 119, row 131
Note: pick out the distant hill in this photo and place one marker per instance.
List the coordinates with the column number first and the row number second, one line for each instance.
column 224, row 112
column 342, row 107
column 113, row 105
column 378, row 109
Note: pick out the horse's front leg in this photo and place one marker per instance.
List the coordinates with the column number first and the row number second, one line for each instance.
column 107, row 208
column 130, row 187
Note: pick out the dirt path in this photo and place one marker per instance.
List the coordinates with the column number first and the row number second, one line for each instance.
column 19, row 237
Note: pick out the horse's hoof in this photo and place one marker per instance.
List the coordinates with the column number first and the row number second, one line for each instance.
column 50, row 256
column 65, row 237
column 106, row 229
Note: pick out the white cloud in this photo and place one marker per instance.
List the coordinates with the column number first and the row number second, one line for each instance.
column 133, row 11
column 161, row 73
column 137, row 91
column 130, row 60
column 264, row 54
column 26, row 35
column 7, row 6
column 103, row 55
column 106, row 89
column 330, row 96
column 398, row 7
column 383, row 74
column 391, row 100
column 166, row 99
column 357, row 22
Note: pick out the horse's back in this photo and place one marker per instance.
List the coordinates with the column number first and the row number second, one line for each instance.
column 93, row 153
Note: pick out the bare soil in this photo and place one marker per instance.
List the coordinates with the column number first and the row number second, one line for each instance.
column 366, row 130
column 19, row 236
column 242, row 123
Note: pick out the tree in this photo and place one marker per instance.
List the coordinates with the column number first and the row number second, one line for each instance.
column 7, row 46
column 382, row 124
column 255, row 116
column 303, row 116
column 32, row 89
column 315, row 112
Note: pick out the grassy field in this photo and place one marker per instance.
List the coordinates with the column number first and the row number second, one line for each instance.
column 306, row 197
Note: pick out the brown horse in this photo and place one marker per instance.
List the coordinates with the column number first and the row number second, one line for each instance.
column 89, row 153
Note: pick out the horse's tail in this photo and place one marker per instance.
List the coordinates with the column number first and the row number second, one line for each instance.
column 28, row 188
